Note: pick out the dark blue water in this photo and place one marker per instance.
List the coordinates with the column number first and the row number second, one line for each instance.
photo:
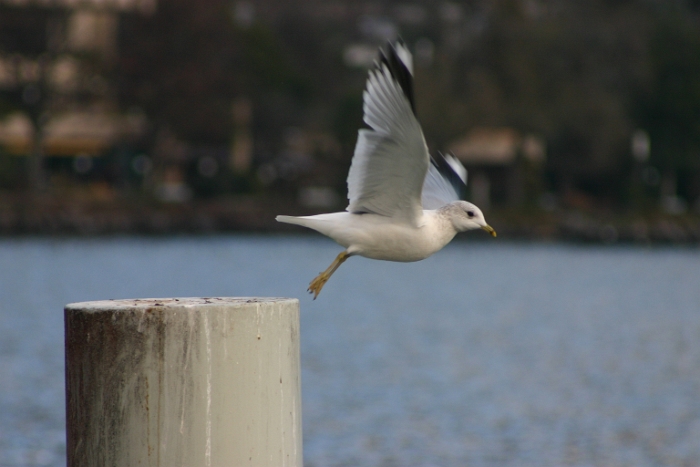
column 487, row 354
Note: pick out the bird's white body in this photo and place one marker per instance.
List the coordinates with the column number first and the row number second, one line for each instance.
column 379, row 237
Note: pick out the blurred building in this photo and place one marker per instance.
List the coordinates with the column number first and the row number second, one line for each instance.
column 85, row 132
column 56, row 95
column 504, row 165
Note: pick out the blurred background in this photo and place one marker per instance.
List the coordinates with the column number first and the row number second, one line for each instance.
column 578, row 120
column 200, row 120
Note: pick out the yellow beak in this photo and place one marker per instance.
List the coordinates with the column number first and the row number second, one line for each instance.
column 490, row 230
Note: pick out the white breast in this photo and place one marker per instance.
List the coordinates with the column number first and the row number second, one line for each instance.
column 379, row 237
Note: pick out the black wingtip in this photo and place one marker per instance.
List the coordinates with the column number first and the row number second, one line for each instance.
column 446, row 170
column 398, row 69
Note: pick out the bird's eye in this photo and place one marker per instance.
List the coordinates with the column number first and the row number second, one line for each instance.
column 470, row 214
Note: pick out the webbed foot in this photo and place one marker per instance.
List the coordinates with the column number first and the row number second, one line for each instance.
column 317, row 284
column 319, row 281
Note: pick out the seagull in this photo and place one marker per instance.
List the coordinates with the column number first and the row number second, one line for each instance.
column 404, row 205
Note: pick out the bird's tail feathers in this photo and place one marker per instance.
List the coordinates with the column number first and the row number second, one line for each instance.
column 316, row 223
column 289, row 220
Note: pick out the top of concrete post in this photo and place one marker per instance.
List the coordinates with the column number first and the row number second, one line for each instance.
column 184, row 302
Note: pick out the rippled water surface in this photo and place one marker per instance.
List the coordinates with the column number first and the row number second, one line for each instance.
column 487, row 354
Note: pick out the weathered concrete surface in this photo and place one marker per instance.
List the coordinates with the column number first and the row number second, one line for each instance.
column 183, row 382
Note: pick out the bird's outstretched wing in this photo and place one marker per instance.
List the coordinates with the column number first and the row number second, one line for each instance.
column 445, row 182
column 391, row 158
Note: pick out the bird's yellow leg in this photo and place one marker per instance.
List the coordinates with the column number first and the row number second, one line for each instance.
column 317, row 284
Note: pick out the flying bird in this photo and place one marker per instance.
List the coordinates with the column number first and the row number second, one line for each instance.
column 404, row 204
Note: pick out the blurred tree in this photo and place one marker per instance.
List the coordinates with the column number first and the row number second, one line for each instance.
column 178, row 65
column 670, row 107
column 565, row 70
column 582, row 74
column 188, row 62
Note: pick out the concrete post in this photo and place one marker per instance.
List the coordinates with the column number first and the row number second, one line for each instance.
column 183, row 382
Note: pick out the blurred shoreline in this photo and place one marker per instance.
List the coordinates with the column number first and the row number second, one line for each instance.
column 49, row 216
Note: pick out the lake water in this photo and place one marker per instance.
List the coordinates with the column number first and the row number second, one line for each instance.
column 487, row 354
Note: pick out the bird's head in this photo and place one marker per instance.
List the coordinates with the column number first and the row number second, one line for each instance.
column 465, row 216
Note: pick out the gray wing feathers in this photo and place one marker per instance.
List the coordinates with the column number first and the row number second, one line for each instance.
column 437, row 192
column 391, row 159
